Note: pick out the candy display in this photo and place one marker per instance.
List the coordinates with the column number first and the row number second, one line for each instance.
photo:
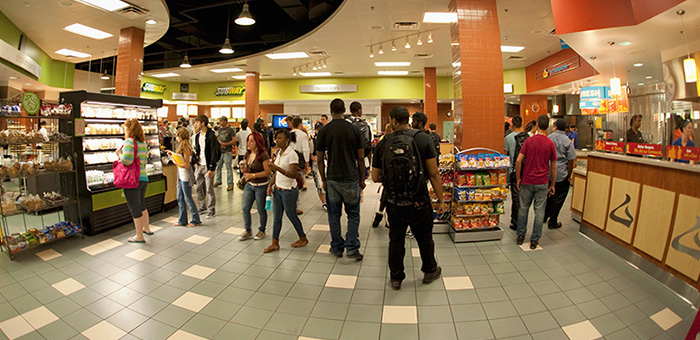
column 488, row 194
column 447, row 160
column 17, row 242
column 475, row 223
column 446, row 194
column 483, row 161
column 473, row 179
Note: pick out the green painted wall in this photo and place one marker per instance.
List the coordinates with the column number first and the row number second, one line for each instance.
column 517, row 78
column 54, row 73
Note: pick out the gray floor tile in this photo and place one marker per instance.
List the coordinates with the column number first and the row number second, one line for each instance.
column 174, row 316
column 568, row 315
column 608, row 324
column 623, row 334
column 441, row 331
column 252, row 317
column 360, row 330
column 373, row 313
column 539, row 322
column 58, row 330
column 593, row 308
column 322, row 328
column 264, row 301
column 508, row 327
column 499, row 309
column 529, row 305
column 404, row 332
column 154, row 330
column 646, row 329
column 204, row 326
column 491, row 294
column 555, row 300
column 330, row 310
column 554, row 334
column 286, row 323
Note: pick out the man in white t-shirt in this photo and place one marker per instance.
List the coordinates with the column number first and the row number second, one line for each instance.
column 242, row 142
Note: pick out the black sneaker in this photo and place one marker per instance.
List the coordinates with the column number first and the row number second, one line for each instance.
column 513, row 226
column 533, row 244
column 430, row 277
column 520, row 240
column 556, row 226
column 377, row 219
column 356, row 256
column 395, row 284
column 339, row 255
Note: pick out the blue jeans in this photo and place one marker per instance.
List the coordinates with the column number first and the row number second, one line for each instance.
column 226, row 159
column 185, row 200
column 258, row 194
column 339, row 193
column 528, row 193
column 285, row 201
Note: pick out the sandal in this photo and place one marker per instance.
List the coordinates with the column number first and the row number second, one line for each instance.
column 271, row 248
column 132, row 240
column 148, row 232
column 300, row 243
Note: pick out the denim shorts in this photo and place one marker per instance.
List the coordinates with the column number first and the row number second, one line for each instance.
column 136, row 199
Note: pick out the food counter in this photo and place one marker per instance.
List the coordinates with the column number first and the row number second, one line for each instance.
column 646, row 211
column 578, row 183
column 170, row 198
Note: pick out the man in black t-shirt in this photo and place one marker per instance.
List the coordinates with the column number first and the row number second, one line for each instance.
column 419, row 215
column 344, row 145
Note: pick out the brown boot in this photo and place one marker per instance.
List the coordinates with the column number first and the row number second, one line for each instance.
column 301, row 242
column 272, row 247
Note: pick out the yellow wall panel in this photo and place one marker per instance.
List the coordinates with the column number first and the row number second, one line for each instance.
column 597, row 195
column 654, row 221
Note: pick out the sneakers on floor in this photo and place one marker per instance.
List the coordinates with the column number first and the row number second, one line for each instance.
column 430, row 277
column 230, row 188
column 356, row 256
column 245, row 236
column 556, row 226
column 260, row 235
column 395, row 284
column 533, row 244
column 299, row 211
column 377, row 219
column 210, row 216
column 520, row 240
column 216, row 184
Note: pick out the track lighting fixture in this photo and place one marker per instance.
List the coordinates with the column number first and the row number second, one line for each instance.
column 186, row 62
column 380, row 45
column 371, row 53
column 419, row 42
column 408, row 44
column 393, row 46
column 430, row 37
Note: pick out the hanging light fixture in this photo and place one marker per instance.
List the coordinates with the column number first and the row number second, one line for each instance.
column 245, row 19
column 226, row 49
column 419, row 42
column 615, row 86
column 371, row 53
column 393, row 46
column 105, row 76
column 381, row 50
column 430, row 37
column 324, row 64
column 689, row 66
column 408, row 44
column 315, row 68
column 186, row 62
column 294, row 72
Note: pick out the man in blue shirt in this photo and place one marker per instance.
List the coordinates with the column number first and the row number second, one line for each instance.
column 566, row 154
column 573, row 135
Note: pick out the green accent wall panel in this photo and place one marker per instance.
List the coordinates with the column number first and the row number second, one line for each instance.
column 112, row 198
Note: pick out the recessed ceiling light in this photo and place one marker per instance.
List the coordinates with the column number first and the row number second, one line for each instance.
column 315, row 74
column 87, row 31
column 392, row 73
column 637, row 64
column 226, row 70
column 151, row 22
column 28, row 84
column 648, row 77
column 241, row 77
column 625, row 43
column 165, row 75
column 511, row 49
column 70, row 53
column 537, row 31
column 288, row 55
column 440, row 17
column 107, row 5
column 454, row 44
column 640, row 84
column 13, row 77
column 392, row 63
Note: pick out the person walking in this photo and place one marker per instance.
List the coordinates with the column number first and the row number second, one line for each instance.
column 537, row 159
column 345, row 146
column 185, row 176
column 403, row 161
column 302, row 147
column 566, row 154
column 135, row 146
column 227, row 138
column 314, row 169
column 207, row 154
column 513, row 143
column 379, row 212
column 242, row 142
column 285, row 190
column 256, row 172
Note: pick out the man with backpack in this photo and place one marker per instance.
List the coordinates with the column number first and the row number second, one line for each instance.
column 419, row 120
column 356, row 119
column 205, row 158
column 403, row 162
column 513, row 143
column 345, row 148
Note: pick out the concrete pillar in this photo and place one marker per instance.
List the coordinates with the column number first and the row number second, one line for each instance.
column 129, row 62
column 252, row 97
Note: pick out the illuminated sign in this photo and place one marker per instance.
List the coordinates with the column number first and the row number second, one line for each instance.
column 230, row 91
column 558, row 68
column 153, row 88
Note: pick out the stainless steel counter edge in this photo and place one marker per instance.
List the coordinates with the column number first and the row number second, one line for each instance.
column 647, row 161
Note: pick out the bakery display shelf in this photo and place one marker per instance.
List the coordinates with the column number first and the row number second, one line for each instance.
column 48, row 206
column 66, row 117
column 116, row 120
column 481, row 186
column 115, row 135
column 476, row 235
column 42, row 142
column 482, row 201
column 479, row 215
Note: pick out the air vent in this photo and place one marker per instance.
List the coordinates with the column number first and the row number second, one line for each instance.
column 241, row 65
column 266, row 75
column 317, row 53
column 376, row 27
column 133, row 12
column 339, row 73
column 405, row 26
column 416, row 72
column 516, row 57
column 552, row 33
column 422, row 56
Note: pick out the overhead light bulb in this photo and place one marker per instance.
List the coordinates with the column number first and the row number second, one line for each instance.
column 691, row 70
column 294, row 72
column 408, row 44
column 419, row 42
column 615, row 86
column 104, row 76
column 430, row 37
column 315, row 68
column 371, row 53
column 381, row 50
column 393, row 46
column 186, row 62
column 555, row 108
column 226, row 49
column 324, row 64
column 245, row 19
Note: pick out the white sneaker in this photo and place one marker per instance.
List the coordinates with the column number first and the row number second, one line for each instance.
column 245, row 236
column 260, row 235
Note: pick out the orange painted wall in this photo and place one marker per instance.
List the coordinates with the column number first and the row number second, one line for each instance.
column 584, row 70
column 526, row 107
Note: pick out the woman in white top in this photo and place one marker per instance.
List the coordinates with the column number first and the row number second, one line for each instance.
column 284, row 190
column 184, row 180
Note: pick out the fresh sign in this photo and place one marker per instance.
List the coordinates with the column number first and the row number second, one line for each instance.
column 230, row 91
column 153, row 88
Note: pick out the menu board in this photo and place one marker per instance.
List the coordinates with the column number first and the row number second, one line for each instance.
column 603, row 145
column 683, row 152
column 644, row 149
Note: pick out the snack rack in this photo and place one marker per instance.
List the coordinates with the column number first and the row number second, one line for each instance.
column 441, row 222
column 98, row 134
column 37, row 165
column 480, row 191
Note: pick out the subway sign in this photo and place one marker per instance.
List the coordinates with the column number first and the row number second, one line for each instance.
column 230, row 91
column 153, row 88
column 559, row 68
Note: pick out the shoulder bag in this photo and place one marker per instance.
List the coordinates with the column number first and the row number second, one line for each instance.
column 127, row 176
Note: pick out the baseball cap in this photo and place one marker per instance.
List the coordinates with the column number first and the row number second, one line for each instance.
column 420, row 116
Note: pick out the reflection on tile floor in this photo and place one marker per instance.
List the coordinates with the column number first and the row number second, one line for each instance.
column 203, row 283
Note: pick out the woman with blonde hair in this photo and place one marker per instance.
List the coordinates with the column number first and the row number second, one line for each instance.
column 135, row 146
column 184, row 180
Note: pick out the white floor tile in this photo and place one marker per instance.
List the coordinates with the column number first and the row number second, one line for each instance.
column 196, row 239
column 526, row 247
column 68, row 286
column 457, row 283
column 666, row 319
column 140, row 254
column 39, row 317
column 192, row 301
column 324, row 249
column 341, row 281
column 94, row 249
column 582, row 331
column 182, row 335
column 198, row 272
column 400, row 314
column 109, row 244
column 171, row 220
column 234, row 231
column 415, row 252
column 103, row 331
column 307, row 338
column 48, row 255
column 15, row 327
column 321, row 227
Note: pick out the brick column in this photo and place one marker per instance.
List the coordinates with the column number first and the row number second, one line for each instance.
column 430, row 104
column 478, row 82
column 252, row 97
column 129, row 62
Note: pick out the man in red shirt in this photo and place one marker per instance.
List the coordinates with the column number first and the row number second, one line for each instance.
column 536, row 174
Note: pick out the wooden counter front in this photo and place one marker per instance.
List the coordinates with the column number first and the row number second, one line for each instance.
column 649, row 207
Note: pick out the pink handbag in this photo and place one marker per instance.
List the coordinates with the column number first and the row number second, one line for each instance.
column 127, row 176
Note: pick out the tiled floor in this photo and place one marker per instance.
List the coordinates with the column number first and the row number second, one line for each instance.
column 202, row 283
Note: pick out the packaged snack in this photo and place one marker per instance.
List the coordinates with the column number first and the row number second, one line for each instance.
column 471, row 194
column 488, row 161
column 463, row 161
column 496, row 161
column 461, row 179
column 486, row 195
column 499, row 208
column 478, row 195
column 493, row 221
column 459, row 209
column 479, row 179
column 496, row 193
column 480, row 162
column 486, row 178
column 504, row 192
column 502, row 178
column 471, row 179
column 468, row 209
column 490, row 209
column 494, row 177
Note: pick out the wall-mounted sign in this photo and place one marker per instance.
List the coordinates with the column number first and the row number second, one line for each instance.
column 595, row 92
column 184, row 96
column 683, row 152
column 153, row 88
column 508, row 88
column 17, row 57
column 328, row 88
column 31, row 103
column 597, row 100
column 558, row 68
column 645, row 149
column 230, row 91
column 184, row 87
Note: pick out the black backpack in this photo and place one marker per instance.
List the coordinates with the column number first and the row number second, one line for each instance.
column 366, row 132
column 519, row 141
column 402, row 170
